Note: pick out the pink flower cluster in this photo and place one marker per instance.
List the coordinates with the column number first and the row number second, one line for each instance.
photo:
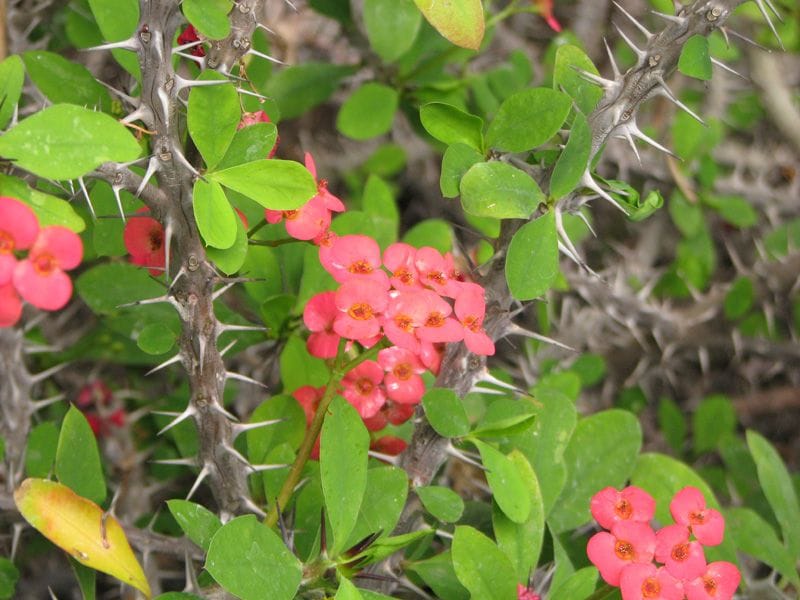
column 39, row 278
column 625, row 553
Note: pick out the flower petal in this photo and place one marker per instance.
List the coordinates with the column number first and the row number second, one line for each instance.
column 18, row 221
column 49, row 292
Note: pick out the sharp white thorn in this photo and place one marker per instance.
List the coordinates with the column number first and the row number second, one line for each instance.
column 746, row 39
column 15, row 536
column 177, row 49
column 116, row 189
column 455, row 453
column 140, row 114
column 201, row 353
column 41, row 376
column 664, row 90
column 218, row 408
column 40, row 404
column 181, row 82
column 671, row 18
column 223, row 327
column 152, row 167
column 239, row 428
column 612, row 61
column 633, row 129
column 189, row 461
column 204, row 472
column 625, row 134
column 163, row 97
column 129, row 99
column 244, row 379
column 254, row 52
column 222, row 290
column 129, row 44
column 387, row 458
column 640, row 54
column 262, row 468
column 227, row 348
column 238, row 456
column 588, row 181
column 515, row 329
column 183, row 160
column 158, row 300
column 163, row 365
column 249, row 93
column 82, row 184
column 725, row 67
column 265, row 28
column 167, row 246
column 253, row 507
column 604, row 83
column 634, row 20
column 188, row 412
column 198, row 59
column 765, row 14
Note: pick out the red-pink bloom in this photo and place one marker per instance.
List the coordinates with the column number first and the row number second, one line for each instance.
column 628, row 542
column 360, row 303
column 18, row 230
column 10, row 305
column 329, row 201
column 546, row 10
column 646, row 582
column 399, row 259
column 144, row 240
column 305, row 223
column 682, row 558
column 718, row 582
column 318, row 316
column 436, row 271
column 399, row 323
column 40, row 279
column 188, row 36
column 431, row 356
column 688, row 508
column 96, row 393
column 391, row 412
column 402, row 380
column 470, row 308
column 308, row 397
column 431, row 314
column 610, row 506
column 388, row 444
column 361, row 388
column 355, row 257
column 524, row 593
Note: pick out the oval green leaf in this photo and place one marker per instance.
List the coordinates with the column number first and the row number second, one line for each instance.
column 585, row 94
column 197, row 522
column 62, row 80
column 210, row 17
column 275, row 184
column 368, row 112
column 456, row 161
column 528, row 119
column 231, row 259
column 452, row 125
column 12, row 76
column 498, row 190
column 695, row 60
column 156, row 338
column 445, row 412
column 459, row 21
column 214, row 215
column 392, row 26
column 214, row 115
column 532, row 259
column 481, row 567
column 573, row 161
column 77, row 458
column 443, row 503
column 508, row 488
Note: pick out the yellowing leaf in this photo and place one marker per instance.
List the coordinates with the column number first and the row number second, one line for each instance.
column 76, row 525
column 459, row 21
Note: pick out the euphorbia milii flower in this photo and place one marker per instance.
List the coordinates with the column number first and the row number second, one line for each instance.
column 628, row 542
column 388, row 444
column 304, row 223
column 355, row 257
column 431, row 356
column 318, row 316
column 431, row 315
column 610, row 506
column 360, row 303
column 18, row 230
column 144, row 239
column 402, row 380
column 399, row 259
column 10, row 305
column 188, row 36
column 95, row 393
column 361, row 388
column 647, row 582
column 435, row 271
column 688, row 508
column 470, row 308
column 329, row 201
column 524, row 593
column 718, row 582
column 308, row 397
column 40, row 279
column 682, row 558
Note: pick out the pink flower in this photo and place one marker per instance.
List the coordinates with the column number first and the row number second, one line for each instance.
column 318, row 316
column 431, row 356
column 402, row 380
column 470, row 308
column 360, row 302
column 308, row 397
column 96, row 393
column 399, row 259
column 646, row 582
column 688, row 508
column 391, row 412
column 40, row 279
column 399, row 323
column 144, row 239
column 546, row 10
column 10, row 305
column 431, row 316
column 718, row 582
column 18, row 230
column 437, row 271
column 629, row 542
column 524, row 593
column 388, row 444
column 329, row 201
column 304, row 223
column 362, row 388
column 355, row 257
column 610, row 506
column 682, row 558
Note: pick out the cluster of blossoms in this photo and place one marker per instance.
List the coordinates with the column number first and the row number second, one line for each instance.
column 95, row 399
column 38, row 278
column 624, row 554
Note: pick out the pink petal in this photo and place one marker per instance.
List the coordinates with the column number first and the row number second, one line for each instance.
column 471, row 301
column 646, row 582
column 362, row 291
column 708, row 527
column 431, row 356
column 310, row 165
column 18, row 222
column 323, row 344
column 479, row 343
column 320, row 311
column 404, row 390
column 390, row 358
column 682, row 558
column 309, row 221
column 687, row 500
column 355, row 329
column 447, row 330
column 273, row 216
column 609, row 506
column 719, row 582
column 7, row 265
column 10, row 305
column 48, row 292
column 600, row 551
column 61, row 243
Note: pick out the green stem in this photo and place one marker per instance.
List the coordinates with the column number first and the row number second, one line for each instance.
column 315, row 428
column 256, row 227
column 273, row 243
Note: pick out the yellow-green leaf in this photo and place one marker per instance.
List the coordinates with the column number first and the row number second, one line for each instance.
column 76, row 525
column 459, row 21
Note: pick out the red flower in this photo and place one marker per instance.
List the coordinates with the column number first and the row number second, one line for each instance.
column 355, row 257
column 524, row 593
column 470, row 308
column 18, row 230
column 308, row 397
column 688, row 508
column 10, row 305
column 682, row 558
column 94, row 393
column 646, row 582
column 402, row 380
column 362, row 388
column 318, row 315
column 546, row 10
column 144, row 239
column 399, row 259
column 389, row 444
column 40, row 279
column 719, row 582
column 610, row 506
column 188, row 36
column 437, row 272
column 360, row 303
column 629, row 542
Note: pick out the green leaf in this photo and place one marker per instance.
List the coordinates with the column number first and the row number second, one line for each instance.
column 452, row 125
column 87, row 579
column 299, row 368
column 573, row 161
column 210, row 17
column 214, row 215
column 672, row 424
column 156, row 338
column 438, row 572
column 459, row 21
column 250, row 143
column 49, row 209
column 445, row 412
column 481, row 567
column 343, row 468
column 12, row 76
column 532, row 260
column 733, row 209
column 368, row 112
column 252, row 562
column 290, row 430
column 580, row 584
column 585, row 94
column 106, row 286
column 77, row 458
column 739, row 299
column 384, row 499
column 522, row 542
column 392, row 26
column 443, row 503
column 777, row 486
column 231, row 259
column 62, row 80
column 431, row 232
column 457, row 160
column 528, row 119
column 9, row 574
column 213, row 117
column 199, row 523
column 714, row 419
column 508, row 488
column 66, row 141
column 754, row 536
column 695, row 60
column 498, row 190
column 40, row 453
column 275, row 184
column 117, row 21
column 347, row 591
column 378, row 203
column 602, row 452
column 298, row 89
